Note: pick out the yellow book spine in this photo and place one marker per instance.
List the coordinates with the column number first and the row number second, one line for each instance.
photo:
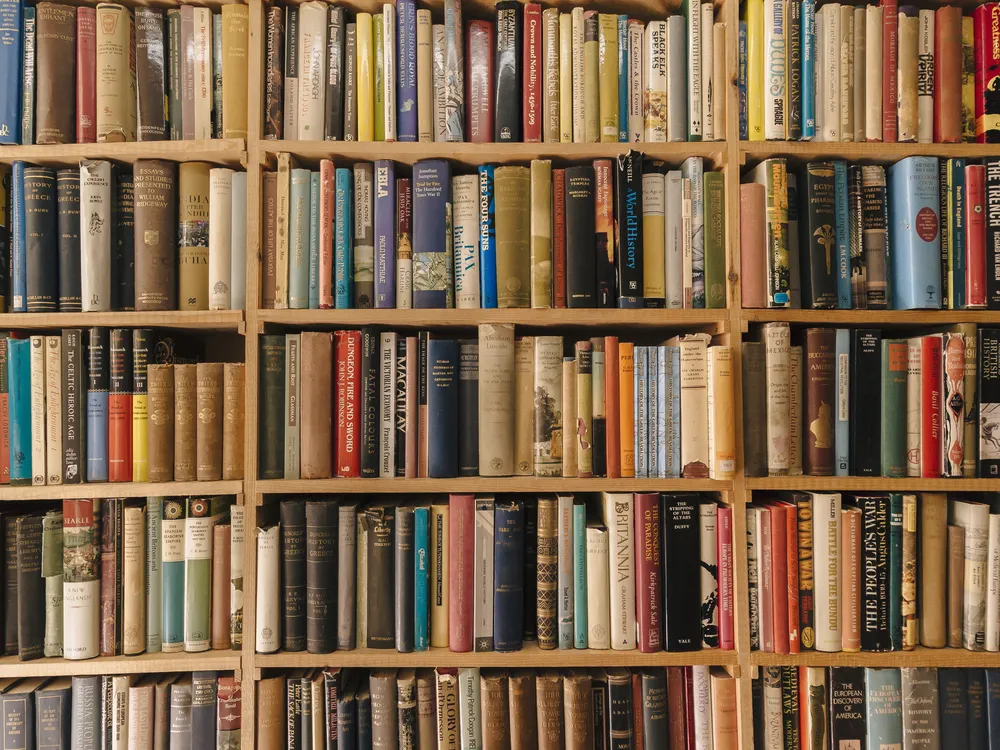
column 968, row 81
column 755, row 69
column 379, row 108
column 653, row 236
column 439, row 576
column 425, row 78
column 140, row 437
column 235, row 45
column 565, row 78
column 365, row 67
column 626, row 417
column 608, row 53
column 591, row 79
column 541, row 233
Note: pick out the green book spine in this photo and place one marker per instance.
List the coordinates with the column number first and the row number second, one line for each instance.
column 52, row 572
column 154, row 513
column 172, row 534
column 884, row 708
column 894, row 366
column 174, row 75
column 198, row 575
column 580, row 602
column 715, row 241
column 896, row 571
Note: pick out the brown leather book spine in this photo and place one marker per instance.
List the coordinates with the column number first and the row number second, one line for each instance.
column 933, row 566
column 269, row 242
column 578, row 709
column 523, row 725
column 948, row 75
column 549, row 690
column 221, row 585
column 316, row 407
column 753, row 285
column 185, row 424
column 55, row 79
column 956, row 584
column 150, row 73
column 271, row 711
column 161, row 422
column 638, row 737
column 821, row 397
column 426, row 710
column 209, row 421
column 155, row 235
column 234, row 417
column 495, row 710
column 676, row 710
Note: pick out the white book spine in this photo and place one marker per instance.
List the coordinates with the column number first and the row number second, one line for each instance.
column 860, row 74
column 621, row 569
column 482, row 607
column 773, row 731
column 387, row 405
column 974, row 518
column 826, row 552
column 831, row 71
column 203, row 80
column 95, row 235
column 154, row 570
column 134, row 580
column 312, row 71
column 119, row 712
column 53, row 409
column 873, row 73
column 238, row 265
column 655, row 76
column 565, row 567
column 993, row 585
column 673, row 246
column 694, row 71
column 37, row 363
column 636, row 87
column 819, row 48
column 267, row 621
column 702, row 691
column 775, row 104
column 237, row 533
column 598, row 588
column 469, row 713
column 913, row 383
column 708, row 92
column 565, row 77
column 777, row 357
column 709, row 538
column 579, row 117
column 440, row 115
column 687, row 242
column 220, row 238
column 388, row 69
column 847, row 73
column 465, row 234
column 925, row 78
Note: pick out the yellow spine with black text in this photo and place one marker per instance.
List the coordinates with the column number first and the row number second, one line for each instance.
column 653, row 234
column 755, row 69
column 608, row 49
column 591, row 79
column 140, row 404
column 365, row 72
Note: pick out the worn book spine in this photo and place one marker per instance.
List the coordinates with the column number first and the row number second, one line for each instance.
column 193, row 242
column 210, row 385
column 115, row 95
column 185, row 422
column 233, row 417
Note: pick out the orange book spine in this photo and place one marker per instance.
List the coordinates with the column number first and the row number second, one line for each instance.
column 792, row 545
column 850, row 579
column 611, row 402
column 626, row 417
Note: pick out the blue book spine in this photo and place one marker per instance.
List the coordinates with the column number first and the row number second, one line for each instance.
column 406, row 96
column 661, row 410
column 652, row 411
column 843, row 234
column 979, row 730
column 580, row 626
column 742, row 58
column 693, row 169
column 623, row 79
column 385, row 234
column 11, row 39
column 508, row 575
column 421, row 573
column 173, row 529
column 914, row 233
column 343, row 264
column 487, row 239
column 298, row 241
column 433, row 264
column 956, row 210
column 314, row 248
column 98, row 382
column 884, row 708
column 993, row 706
column 442, row 407
column 28, row 78
column 808, row 69
column 19, row 389
column 842, row 434
column 19, row 240
column 896, row 570
column 640, row 378
column 673, row 412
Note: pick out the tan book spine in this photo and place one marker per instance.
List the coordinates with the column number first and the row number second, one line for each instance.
column 161, row 423
column 724, row 719
column 185, row 423
column 523, row 711
column 155, row 235
column 113, row 75
column 608, row 75
column 38, row 416
column 956, row 584
column 425, row 77
column 512, row 190
column 140, row 717
column 850, row 579
column 578, row 711
column 541, row 233
column 283, row 207
column 549, row 692
column 426, row 714
column 234, row 418
column 192, row 256
column 569, row 461
column 55, row 53
column 495, row 711
column 911, row 633
column 719, row 96
column 496, row 399
column 316, row 429
column 846, row 72
column 209, row 420
column 440, row 564
column 933, row 598
column 906, row 60
column 221, row 558
column 447, row 709
column 235, row 61
column 270, row 712
column 524, row 406
column 721, row 413
column 550, row 87
column 592, row 79
column 694, row 404
column 577, row 59
column 134, row 579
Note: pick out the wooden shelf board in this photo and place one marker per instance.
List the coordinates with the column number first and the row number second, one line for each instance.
column 872, row 317
column 120, row 489
column 487, row 485
column 919, row 657
column 230, row 152
column 224, row 320
column 870, row 484
column 529, row 656
column 10, row 666
column 881, row 152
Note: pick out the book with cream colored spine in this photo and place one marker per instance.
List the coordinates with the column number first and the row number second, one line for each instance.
column 53, row 410
column 776, row 339
column 220, row 238
column 541, row 233
column 846, row 83
column 465, row 232
column 389, row 70
column 608, row 54
column 439, row 566
column 37, row 364
column 621, row 568
column 496, row 397
column 566, row 90
column 425, row 77
column 283, row 200
column 694, row 404
column 95, row 239
column 592, row 84
column 134, row 583
column 859, row 83
column 114, row 102
column 906, row 77
column 718, row 78
column 312, row 71
column 550, row 87
column 974, row 517
column 829, row 19
column 826, row 570
column 579, row 72
column 873, row 73
column 677, row 122
column 708, row 92
column 237, row 522
column 654, row 58
column 694, row 70
column 203, row 79
column 721, row 413
column 598, row 587
column 268, row 619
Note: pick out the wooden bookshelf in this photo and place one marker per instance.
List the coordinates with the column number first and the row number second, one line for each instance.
column 120, row 489
column 10, row 666
column 870, row 484
column 873, row 318
column 919, row 657
column 225, row 152
column 199, row 320
column 873, row 152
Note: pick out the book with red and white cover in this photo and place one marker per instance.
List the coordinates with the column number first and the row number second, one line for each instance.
column 348, row 438
column 779, row 577
column 930, row 406
column 479, row 102
column 727, row 620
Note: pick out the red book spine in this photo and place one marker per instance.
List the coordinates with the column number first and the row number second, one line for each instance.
column 930, row 406
column 532, row 67
column 676, row 715
column 229, row 704
column 461, row 563
column 727, row 620
column 890, row 26
column 689, row 707
column 779, row 579
column 975, row 236
column 559, row 237
column 327, row 194
column 120, row 408
column 638, row 738
column 612, row 404
column 792, row 546
column 348, row 446
column 648, row 582
column 86, row 75
column 986, row 29
column 479, row 75
column 764, row 582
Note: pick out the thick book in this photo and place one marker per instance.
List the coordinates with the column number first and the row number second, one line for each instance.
column 508, row 71
column 442, row 407
column 433, row 264
column 581, row 264
column 914, row 222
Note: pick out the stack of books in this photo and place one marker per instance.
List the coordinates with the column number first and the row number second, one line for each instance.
column 123, row 576
column 98, row 408
column 875, row 72
column 876, row 707
column 154, row 236
column 855, row 402
column 520, row 709
column 481, row 574
column 374, row 403
column 629, row 232
column 528, row 75
column 137, row 711
column 111, row 73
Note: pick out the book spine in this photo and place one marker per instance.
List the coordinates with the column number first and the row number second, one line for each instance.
column 344, row 238
column 95, row 247
column 421, row 580
column 385, row 234
column 483, row 584
column 197, row 575
column 987, row 65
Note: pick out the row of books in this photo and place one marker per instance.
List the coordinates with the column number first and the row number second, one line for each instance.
column 136, row 711
column 854, row 402
column 858, row 707
column 123, row 576
column 870, row 72
column 155, row 236
column 374, row 403
column 529, row 75
column 615, row 233
column 481, row 573
column 492, row 708
column 110, row 74
column 98, row 408
column 849, row 238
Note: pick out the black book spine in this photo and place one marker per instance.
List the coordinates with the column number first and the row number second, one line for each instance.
column 790, row 706
column 979, row 730
column 507, row 67
column 530, row 567
column 68, row 223
column 794, row 70
column 401, row 365
column 321, row 576
column 875, row 573
column 5, row 248
column 628, row 198
column 404, row 571
column 953, row 706
column 271, row 454
column 508, row 576
column 442, row 408
column 847, row 707
column 654, row 709
column 599, row 689
column 124, row 274
column 364, row 719
column 53, row 709
column 380, row 522
column 757, row 701
column 866, row 399
column 857, row 242
column 992, row 232
column 681, row 589
column 369, row 396
column 581, row 263
column 73, row 395
column 18, row 721
column 294, row 733
column 30, row 589
column 819, row 238
column 347, row 722
column 988, row 389
column 468, row 408
column 10, row 585
column 293, row 573
column 331, row 697
column 203, row 687
column 335, row 75
column 42, row 243
column 620, row 729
